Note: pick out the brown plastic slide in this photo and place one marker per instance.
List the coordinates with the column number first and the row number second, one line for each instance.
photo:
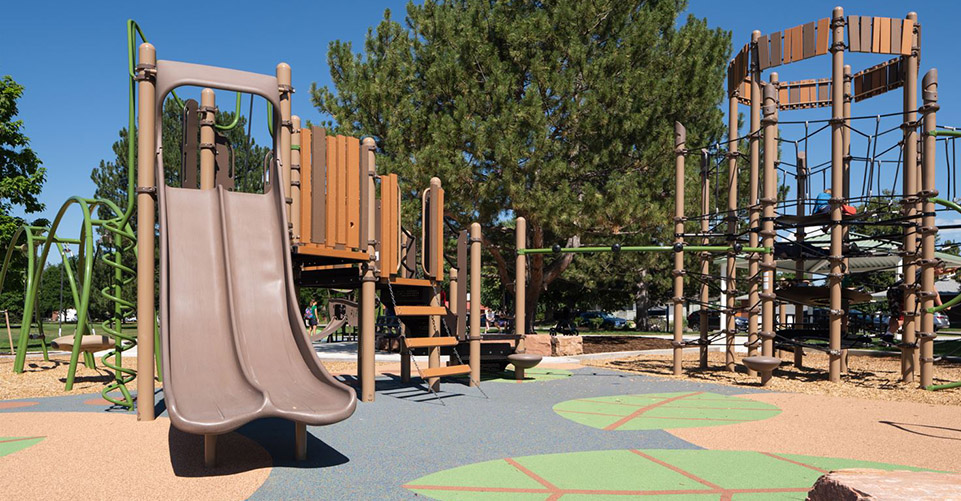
column 234, row 346
column 333, row 326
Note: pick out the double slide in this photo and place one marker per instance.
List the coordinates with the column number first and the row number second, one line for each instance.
column 233, row 343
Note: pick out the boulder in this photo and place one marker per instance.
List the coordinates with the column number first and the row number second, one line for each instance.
column 564, row 346
column 538, row 344
column 859, row 484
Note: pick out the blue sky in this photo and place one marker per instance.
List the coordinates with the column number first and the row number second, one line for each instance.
column 72, row 59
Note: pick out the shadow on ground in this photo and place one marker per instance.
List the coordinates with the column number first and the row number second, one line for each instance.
column 259, row 444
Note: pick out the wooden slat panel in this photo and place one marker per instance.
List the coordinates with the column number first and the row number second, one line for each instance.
column 795, row 95
column 341, row 237
column 331, row 201
column 381, row 233
column 776, row 48
column 318, row 197
column 884, row 27
column 865, row 34
column 417, row 282
column 808, row 36
column 352, row 183
column 788, row 40
column 763, row 52
column 393, row 222
column 782, row 96
column 854, row 33
column 305, row 187
column 396, row 226
column 907, row 33
column 876, row 34
column 430, row 342
column 895, row 36
column 824, row 36
column 384, row 219
column 419, row 311
column 824, row 92
column 746, row 90
column 797, row 44
column 452, row 370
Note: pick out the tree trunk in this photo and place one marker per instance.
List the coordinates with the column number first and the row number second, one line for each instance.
column 642, row 303
column 540, row 276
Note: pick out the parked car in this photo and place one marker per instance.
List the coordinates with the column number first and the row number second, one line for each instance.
column 714, row 321
column 941, row 321
column 608, row 321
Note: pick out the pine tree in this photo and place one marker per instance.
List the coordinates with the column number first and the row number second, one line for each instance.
column 560, row 112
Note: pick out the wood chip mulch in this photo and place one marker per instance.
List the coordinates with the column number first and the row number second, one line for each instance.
column 47, row 379
column 873, row 378
column 606, row 344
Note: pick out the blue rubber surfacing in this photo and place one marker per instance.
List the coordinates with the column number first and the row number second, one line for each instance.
column 407, row 434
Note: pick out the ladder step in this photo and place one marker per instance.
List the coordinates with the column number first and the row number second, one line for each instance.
column 452, row 370
column 430, row 342
column 419, row 311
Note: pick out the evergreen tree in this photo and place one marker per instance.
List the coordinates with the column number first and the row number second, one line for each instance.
column 560, row 112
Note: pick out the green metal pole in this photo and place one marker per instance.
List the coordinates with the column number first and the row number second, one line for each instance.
column 945, row 133
column 936, row 387
column 951, row 205
column 27, row 308
column 651, row 248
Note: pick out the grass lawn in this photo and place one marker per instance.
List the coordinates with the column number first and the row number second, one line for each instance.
column 50, row 333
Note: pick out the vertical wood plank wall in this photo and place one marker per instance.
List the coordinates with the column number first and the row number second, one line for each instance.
column 306, row 168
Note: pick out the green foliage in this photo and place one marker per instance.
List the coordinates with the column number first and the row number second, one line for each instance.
column 21, row 180
column 562, row 113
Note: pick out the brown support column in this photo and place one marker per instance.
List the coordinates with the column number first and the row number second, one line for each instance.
column 368, row 290
column 837, row 191
column 433, row 353
column 929, row 232
column 146, row 156
column 730, row 286
column 768, row 201
column 705, row 256
column 680, row 138
column 845, row 239
column 755, row 210
column 210, row 451
column 520, row 280
column 846, row 134
column 295, row 178
column 454, row 289
column 300, row 441
column 475, row 301
column 802, row 168
column 365, row 342
column 283, row 84
column 208, row 108
column 909, row 353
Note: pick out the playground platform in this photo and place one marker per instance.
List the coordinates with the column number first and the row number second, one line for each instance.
column 566, row 431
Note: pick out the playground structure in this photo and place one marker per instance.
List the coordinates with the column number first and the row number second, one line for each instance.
column 231, row 261
column 774, row 239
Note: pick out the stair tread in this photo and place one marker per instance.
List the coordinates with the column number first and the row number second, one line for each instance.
column 411, row 282
column 419, row 310
column 451, row 370
column 430, row 342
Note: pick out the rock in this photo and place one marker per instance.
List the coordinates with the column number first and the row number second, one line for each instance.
column 538, row 344
column 563, row 346
column 859, row 484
